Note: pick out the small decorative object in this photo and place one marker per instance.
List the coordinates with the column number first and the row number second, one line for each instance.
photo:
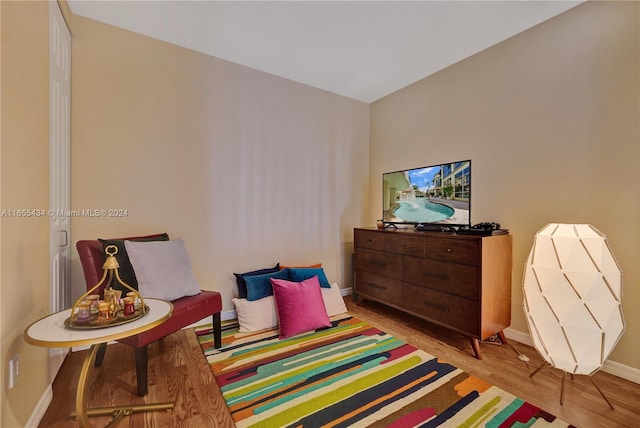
column 112, row 297
column 136, row 300
column 129, row 306
column 84, row 312
column 379, row 224
column 104, row 312
column 109, row 311
column 572, row 299
column 93, row 300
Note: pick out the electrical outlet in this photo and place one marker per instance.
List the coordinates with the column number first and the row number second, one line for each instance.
column 13, row 371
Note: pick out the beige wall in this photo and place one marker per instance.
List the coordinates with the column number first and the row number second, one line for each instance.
column 251, row 169
column 550, row 121
column 248, row 168
column 24, row 184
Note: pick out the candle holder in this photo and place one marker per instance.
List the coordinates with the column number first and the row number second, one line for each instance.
column 110, row 309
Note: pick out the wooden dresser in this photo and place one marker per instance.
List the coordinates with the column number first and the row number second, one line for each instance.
column 461, row 282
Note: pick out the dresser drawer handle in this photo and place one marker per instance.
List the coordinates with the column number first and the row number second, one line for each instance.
column 436, row 275
column 449, row 250
column 377, row 286
column 436, row 306
column 377, row 263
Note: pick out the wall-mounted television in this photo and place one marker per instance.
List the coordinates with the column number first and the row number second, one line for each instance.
column 435, row 194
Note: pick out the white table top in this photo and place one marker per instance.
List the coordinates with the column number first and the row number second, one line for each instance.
column 51, row 332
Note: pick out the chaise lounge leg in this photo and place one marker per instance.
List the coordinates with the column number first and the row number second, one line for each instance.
column 102, row 348
column 142, row 365
column 217, row 331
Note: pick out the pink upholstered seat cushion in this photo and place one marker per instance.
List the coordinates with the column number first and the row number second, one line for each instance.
column 186, row 310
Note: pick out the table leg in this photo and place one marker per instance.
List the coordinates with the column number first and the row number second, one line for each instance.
column 118, row 412
column 81, row 401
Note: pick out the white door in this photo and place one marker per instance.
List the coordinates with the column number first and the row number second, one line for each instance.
column 60, row 169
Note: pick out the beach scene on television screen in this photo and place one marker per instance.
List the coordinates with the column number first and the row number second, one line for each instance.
column 434, row 194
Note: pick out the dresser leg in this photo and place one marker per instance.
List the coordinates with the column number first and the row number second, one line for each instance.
column 502, row 337
column 475, row 344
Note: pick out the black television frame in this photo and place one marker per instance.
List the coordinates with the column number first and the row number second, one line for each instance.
column 459, row 201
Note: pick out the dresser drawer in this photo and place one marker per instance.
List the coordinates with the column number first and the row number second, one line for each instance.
column 466, row 251
column 446, row 309
column 379, row 287
column 461, row 280
column 368, row 239
column 385, row 264
column 409, row 245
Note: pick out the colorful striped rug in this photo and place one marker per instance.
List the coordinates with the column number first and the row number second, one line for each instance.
column 354, row 375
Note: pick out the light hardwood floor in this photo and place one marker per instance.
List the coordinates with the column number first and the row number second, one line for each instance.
column 178, row 371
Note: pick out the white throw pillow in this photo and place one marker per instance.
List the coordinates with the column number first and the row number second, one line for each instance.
column 256, row 315
column 333, row 300
column 163, row 269
column 261, row 314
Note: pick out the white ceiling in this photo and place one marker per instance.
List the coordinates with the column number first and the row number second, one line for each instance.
column 360, row 49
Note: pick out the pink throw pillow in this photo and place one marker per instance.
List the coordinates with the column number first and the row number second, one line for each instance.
column 299, row 306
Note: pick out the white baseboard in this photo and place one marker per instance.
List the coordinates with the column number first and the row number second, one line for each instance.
column 518, row 336
column 41, row 408
column 621, row 370
column 612, row 367
column 228, row 315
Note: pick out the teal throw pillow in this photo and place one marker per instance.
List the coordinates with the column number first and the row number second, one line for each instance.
column 300, row 274
column 259, row 286
column 242, row 286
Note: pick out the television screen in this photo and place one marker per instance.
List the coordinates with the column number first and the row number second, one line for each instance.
column 438, row 194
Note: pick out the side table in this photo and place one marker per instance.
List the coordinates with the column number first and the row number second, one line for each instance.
column 51, row 332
